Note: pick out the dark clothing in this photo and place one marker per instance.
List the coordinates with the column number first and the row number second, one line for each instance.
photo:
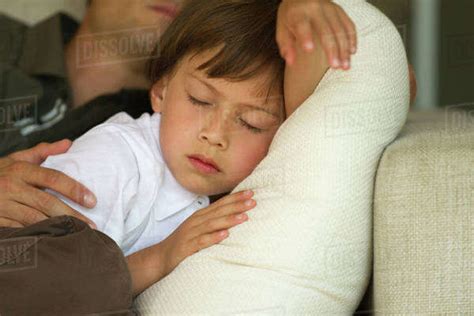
column 35, row 97
column 78, row 121
column 61, row 266
column 34, row 91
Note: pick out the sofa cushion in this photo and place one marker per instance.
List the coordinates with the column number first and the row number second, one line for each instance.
column 307, row 245
column 423, row 217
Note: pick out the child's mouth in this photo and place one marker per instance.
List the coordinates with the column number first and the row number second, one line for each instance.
column 202, row 166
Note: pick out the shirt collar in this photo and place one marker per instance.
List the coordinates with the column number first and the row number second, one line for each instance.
column 172, row 197
column 43, row 50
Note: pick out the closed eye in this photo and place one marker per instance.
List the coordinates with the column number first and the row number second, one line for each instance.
column 253, row 129
column 196, row 101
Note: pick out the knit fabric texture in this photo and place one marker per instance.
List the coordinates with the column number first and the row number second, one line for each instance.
column 307, row 247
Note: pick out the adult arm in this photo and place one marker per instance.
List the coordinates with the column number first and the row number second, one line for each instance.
column 314, row 35
column 302, row 78
column 22, row 180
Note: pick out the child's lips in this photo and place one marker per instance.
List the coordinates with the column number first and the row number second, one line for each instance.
column 203, row 164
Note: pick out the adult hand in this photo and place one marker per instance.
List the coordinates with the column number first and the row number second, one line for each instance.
column 305, row 22
column 22, row 180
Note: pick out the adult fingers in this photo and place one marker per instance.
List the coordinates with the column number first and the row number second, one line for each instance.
column 341, row 35
column 303, row 34
column 350, row 28
column 6, row 222
column 47, row 203
column 55, row 181
column 39, row 153
column 22, row 214
column 328, row 41
column 284, row 39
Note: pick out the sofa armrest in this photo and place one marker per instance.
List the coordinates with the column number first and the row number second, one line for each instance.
column 423, row 217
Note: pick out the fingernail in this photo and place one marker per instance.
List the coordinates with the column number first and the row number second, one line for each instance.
column 249, row 203
column 346, row 64
column 248, row 193
column 240, row 217
column 90, row 200
column 223, row 233
column 335, row 62
column 92, row 225
column 309, row 45
column 353, row 50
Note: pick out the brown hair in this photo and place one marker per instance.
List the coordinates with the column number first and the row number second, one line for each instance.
column 243, row 31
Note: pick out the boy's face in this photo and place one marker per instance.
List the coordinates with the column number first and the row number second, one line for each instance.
column 208, row 117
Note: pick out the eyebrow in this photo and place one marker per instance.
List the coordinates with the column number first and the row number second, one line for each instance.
column 213, row 89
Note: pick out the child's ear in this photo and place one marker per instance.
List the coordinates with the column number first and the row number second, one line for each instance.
column 157, row 95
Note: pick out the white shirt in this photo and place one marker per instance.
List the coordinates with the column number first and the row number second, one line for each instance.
column 139, row 202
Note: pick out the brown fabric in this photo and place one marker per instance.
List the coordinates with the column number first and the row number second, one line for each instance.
column 61, row 266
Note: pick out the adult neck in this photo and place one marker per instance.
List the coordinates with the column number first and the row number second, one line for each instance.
column 93, row 73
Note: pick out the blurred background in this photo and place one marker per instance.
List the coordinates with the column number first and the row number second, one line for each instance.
column 438, row 35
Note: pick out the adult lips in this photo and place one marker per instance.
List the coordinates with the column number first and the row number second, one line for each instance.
column 170, row 10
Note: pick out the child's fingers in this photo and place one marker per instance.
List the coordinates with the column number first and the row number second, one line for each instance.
column 207, row 240
column 232, row 208
column 350, row 28
column 222, row 223
column 222, row 211
column 228, row 199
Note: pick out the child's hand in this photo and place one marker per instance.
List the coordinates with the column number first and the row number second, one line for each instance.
column 302, row 22
column 205, row 228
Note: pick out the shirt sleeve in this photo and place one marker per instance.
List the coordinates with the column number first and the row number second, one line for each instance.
column 103, row 161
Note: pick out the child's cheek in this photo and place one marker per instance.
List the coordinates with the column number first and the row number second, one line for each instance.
column 248, row 155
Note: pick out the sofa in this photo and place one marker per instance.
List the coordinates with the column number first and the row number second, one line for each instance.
column 423, row 219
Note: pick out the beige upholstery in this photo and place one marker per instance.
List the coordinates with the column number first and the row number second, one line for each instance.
column 424, row 218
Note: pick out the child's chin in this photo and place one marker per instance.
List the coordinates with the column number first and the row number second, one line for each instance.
column 198, row 188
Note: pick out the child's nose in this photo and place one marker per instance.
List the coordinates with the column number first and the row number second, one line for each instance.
column 214, row 132
column 212, row 140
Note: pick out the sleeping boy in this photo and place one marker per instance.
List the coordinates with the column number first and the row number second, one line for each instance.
column 218, row 102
